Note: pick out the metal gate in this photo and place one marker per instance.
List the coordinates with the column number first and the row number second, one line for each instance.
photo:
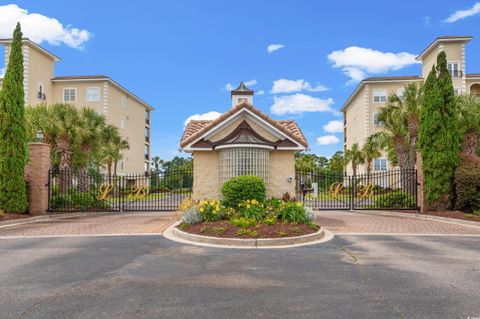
column 387, row 190
column 157, row 191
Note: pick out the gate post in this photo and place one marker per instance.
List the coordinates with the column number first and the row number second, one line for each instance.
column 37, row 176
column 421, row 200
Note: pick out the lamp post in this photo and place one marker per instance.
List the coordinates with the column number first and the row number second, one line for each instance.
column 39, row 136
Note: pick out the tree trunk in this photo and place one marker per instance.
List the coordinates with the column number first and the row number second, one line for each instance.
column 63, row 146
column 83, row 179
column 470, row 141
column 369, row 169
column 412, row 133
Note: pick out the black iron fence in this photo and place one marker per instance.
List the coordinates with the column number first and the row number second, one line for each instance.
column 388, row 190
column 156, row 191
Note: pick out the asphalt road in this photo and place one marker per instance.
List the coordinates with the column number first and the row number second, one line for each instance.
column 151, row 277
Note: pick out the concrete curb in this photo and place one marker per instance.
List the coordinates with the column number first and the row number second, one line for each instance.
column 175, row 234
column 421, row 216
column 35, row 219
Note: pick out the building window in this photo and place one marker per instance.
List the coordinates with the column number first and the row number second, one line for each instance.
column 122, row 165
column 380, row 164
column 379, row 96
column 244, row 161
column 146, row 152
column 147, row 117
column 456, row 91
column 69, row 95
column 93, row 95
column 454, row 69
column 147, row 135
column 122, row 122
column 242, row 99
column 123, row 102
column 41, row 92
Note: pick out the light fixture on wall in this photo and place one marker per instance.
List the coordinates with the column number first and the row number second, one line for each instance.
column 39, row 136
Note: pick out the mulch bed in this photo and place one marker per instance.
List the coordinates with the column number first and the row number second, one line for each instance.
column 224, row 229
column 13, row 216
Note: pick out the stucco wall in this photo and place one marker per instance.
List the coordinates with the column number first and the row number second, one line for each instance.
column 206, row 175
column 206, row 170
column 282, row 166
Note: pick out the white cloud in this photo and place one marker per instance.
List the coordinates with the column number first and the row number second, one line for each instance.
column 40, row 28
column 327, row 140
column 333, row 127
column 261, row 92
column 205, row 116
column 462, row 14
column 2, row 72
column 288, row 86
column 300, row 103
column 358, row 62
column 274, row 47
column 230, row 87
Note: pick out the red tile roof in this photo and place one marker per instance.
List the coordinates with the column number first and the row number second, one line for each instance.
column 196, row 128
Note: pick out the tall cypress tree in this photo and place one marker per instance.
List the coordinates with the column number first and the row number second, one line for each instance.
column 438, row 136
column 13, row 151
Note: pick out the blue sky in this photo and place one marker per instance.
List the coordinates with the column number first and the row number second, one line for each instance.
column 180, row 55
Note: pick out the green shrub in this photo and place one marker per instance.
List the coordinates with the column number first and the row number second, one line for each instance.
column 273, row 205
column 243, row 222
column 293, row 212
column 191, row 216
column 270, row 220
column 395, row 199
column 210, row 210
column 241, row 188
column 467, row 186
column 251, row 209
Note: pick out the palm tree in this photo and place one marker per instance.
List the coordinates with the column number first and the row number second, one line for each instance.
column 409, row 105
column 91, row 125
column 370, row 150
column 469, row 107
column 65, row 122
column 395, row 135
column 156, row 164
column 355, row 156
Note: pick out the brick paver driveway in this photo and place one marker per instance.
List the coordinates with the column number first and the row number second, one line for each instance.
column 358, row 222
column 110, row 224
column 156, row 222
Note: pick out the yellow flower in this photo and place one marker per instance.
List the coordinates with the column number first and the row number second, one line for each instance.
column 201, row 210
column 217, row 207
column 248, row 205
column 299, row 204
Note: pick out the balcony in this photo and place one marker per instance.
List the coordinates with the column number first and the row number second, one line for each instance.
column 147, row 157
column 147, row 139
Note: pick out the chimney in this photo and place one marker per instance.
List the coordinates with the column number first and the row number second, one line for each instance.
column 242, row 94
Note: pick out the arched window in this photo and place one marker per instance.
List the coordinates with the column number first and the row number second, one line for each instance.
column 239, row 161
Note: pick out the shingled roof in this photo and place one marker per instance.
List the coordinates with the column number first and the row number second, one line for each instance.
column 196, row 128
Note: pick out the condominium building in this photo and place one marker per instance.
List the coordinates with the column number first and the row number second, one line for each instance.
column 120, row 107
column 360, row 111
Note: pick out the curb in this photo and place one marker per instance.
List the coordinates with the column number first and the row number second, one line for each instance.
column 175, row 234
column 35, row 219
column 422, row 216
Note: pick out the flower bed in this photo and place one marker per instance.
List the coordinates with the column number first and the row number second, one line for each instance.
column 272, row 218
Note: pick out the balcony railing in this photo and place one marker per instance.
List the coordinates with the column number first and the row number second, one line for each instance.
column 147, row 139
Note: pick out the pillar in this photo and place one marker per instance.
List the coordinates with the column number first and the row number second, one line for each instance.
column 36, row 174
